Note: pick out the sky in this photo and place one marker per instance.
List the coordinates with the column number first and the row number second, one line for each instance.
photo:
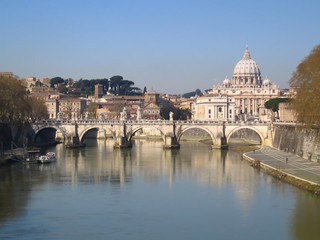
column 169, row 46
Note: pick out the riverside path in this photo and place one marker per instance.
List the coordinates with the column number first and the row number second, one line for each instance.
column 287, row 163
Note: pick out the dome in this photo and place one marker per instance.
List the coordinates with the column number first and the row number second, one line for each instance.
column 226, row 81
column 247, row 72
column 266, row 82
column 246, row 66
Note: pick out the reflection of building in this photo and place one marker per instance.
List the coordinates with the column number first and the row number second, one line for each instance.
column 246, row 89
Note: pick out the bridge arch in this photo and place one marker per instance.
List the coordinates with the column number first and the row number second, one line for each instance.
column 136, row 129
column 179, row 135
column 246, row 127
column 37, row 131
column 106, row 129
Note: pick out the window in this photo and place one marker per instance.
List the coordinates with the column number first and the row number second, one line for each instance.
column 220, row 109
column 209, row 111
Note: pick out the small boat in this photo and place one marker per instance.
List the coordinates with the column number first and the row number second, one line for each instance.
column 48, row 158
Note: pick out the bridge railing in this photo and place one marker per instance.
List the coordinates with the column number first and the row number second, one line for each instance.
column 147, row 122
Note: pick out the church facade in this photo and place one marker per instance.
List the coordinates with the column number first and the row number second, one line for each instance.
column 241, row 98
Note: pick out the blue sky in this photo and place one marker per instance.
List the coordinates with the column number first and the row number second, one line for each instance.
column 170, row 46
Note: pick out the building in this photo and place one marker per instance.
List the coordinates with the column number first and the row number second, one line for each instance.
column 52, row 107
column 72, row 108
column 151, row 108
column 286, row 114
column 98, row 91
column 246, row 90
column 214, row 107
column 7, row 74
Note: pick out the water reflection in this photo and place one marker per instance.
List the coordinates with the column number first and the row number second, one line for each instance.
column 250, row 196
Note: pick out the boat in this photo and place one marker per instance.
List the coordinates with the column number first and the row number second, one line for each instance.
column 32, row 156
column 22, row 155
column 48, row 158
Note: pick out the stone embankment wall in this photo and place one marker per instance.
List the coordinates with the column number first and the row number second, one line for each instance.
column 298, row 140
column 246, row 134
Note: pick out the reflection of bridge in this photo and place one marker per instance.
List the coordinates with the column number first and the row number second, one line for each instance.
column 170, row 131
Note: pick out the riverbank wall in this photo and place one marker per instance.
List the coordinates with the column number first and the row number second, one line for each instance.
column 282, row 175
column 298, row 140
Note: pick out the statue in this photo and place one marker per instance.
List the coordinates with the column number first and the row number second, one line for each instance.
column 171, row 116
column 123, row 115
column 60, row 115
column 101, row 116
column 138, row 113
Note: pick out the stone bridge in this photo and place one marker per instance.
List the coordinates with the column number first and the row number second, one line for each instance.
column 170, row 131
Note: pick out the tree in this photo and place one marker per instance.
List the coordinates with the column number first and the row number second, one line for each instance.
column 56, row 80
column 125, row 87
column 37, row 108
column 115, row 83
column 16, row 106
column 197, row 92
column 178, row 113
column 273, row 104
column 306, row 81
column 92, row 109
column 13, row 107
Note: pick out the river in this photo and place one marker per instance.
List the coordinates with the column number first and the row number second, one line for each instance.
column 150, row 193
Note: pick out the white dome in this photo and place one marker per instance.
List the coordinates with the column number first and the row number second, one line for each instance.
column 246, row 66
column 266, row 82
column 226, row 81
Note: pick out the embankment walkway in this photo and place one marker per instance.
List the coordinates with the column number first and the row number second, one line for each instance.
column 287, row 163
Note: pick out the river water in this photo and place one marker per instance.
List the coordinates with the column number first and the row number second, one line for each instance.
column 150, row 193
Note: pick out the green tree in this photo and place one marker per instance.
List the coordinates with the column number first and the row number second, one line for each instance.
column 306, row 81
column 63, row 89
column 273, row 104
column 56, row 80
column 197, row 92
column 115, row 83
column 178, row 113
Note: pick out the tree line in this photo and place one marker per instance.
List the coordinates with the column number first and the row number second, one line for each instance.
column 116, row 85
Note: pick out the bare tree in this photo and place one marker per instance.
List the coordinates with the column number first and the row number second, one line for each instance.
column 306, row 81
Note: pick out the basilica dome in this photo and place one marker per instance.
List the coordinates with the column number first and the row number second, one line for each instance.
column 246, row 71
column 246, row 65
